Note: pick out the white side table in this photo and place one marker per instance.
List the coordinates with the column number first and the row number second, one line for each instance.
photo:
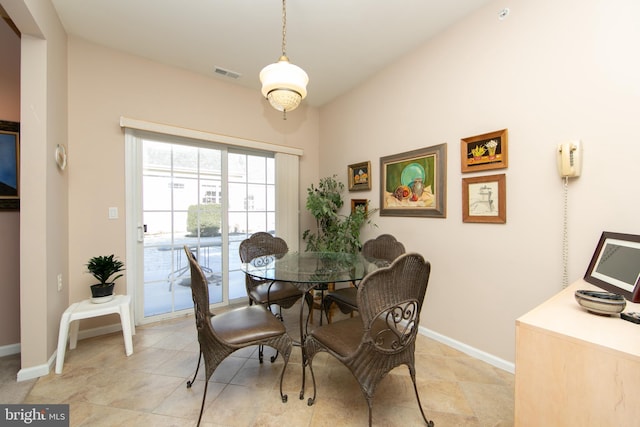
column 120, row 304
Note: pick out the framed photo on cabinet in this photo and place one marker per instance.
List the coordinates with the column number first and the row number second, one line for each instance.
column 615, row 265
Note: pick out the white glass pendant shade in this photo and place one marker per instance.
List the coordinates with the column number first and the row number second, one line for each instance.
column 284, row 84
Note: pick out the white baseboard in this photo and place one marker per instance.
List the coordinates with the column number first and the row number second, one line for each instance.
column 37, row 371
column 8, row 350
column 471, row 351
column 44, row 369
column 102, row 330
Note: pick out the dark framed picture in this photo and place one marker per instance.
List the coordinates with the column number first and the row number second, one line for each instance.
column 414, row 183
column 615, row 265
column 484, row 199
column 9, row 165
column 359, row 202
column 360, row 176
column 485, row 152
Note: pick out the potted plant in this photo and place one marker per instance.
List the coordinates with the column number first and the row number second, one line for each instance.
column 334, row 232
column 103, row 268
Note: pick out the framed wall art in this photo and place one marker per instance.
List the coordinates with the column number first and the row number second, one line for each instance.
column 484, row 199
column 360, row 176
column 9, row 165
column 359, row 202
column 485, row 152
column 414, row 183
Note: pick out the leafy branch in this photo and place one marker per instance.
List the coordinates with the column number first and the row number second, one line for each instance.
column 334, row 232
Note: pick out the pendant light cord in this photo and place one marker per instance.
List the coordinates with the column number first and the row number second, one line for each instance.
column 284, row 27
column 284, row 41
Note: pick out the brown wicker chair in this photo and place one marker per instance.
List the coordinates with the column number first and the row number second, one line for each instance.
column 282, row 294
column 384, row 247
column 222, row 334
column 383, row 336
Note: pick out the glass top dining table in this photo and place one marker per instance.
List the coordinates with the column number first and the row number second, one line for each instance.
column 311, row 269
column 308, row 270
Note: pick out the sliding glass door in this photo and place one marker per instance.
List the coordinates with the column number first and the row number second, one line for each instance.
column 181, row 187
column 206, row 198
column 251, row 183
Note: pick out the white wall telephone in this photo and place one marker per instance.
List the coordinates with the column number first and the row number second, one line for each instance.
column 570, row 158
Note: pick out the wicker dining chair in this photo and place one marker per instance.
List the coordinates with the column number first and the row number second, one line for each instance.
column 383, row 336
column 384, row 247
column 222, row 334
column 263, row 292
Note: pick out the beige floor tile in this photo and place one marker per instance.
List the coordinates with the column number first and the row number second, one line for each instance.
column 238, row 405
column 445, row 419
column 330, row 412
column 182, row 364
column 499, row 407
column 225, row 372
column 444, row 396
column 11, row 391
column 106, row 388
column 185, row 402
column 474, row 370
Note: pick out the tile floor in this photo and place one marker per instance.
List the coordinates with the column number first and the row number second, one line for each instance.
column 106, row 388
column 11, row 391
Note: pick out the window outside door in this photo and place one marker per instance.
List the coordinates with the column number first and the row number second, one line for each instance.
column 184, row 202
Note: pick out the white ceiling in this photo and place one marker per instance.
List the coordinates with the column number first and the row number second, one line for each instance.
column 339, row 43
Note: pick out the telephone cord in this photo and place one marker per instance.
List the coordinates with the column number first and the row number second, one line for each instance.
column 565, row 235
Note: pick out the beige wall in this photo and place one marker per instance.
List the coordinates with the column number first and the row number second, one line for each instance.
column 43, row 189
column 549, row 72
column 103, row 86
column 9, row 220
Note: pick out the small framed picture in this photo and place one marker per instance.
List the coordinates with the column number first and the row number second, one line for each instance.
column 360, row 176
column 359, row 202
column 484, row 199
column 9, row 165
column 484, row 152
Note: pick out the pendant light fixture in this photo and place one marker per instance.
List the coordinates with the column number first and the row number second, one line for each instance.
column 284, row 84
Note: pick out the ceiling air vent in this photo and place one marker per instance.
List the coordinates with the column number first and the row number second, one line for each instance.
column 226, row 73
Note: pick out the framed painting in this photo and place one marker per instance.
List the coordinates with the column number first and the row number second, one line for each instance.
column 360, row 176
column 485, row 152
column 615, row 265
column 414, row 183
column 355, row 203
column 9, row 165
column 484, row 199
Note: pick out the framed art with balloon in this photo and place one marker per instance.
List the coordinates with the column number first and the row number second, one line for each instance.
column 414, row 183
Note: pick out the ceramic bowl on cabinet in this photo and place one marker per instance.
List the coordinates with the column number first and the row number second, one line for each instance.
column 601, row 302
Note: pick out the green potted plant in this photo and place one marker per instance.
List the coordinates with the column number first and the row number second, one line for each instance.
column 334, row 232
column 103, row 268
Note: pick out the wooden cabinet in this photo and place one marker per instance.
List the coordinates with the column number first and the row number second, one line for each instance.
column 575, row 368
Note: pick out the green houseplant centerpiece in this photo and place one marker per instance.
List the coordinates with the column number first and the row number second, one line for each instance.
column 103, row 268
column 334, row 232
